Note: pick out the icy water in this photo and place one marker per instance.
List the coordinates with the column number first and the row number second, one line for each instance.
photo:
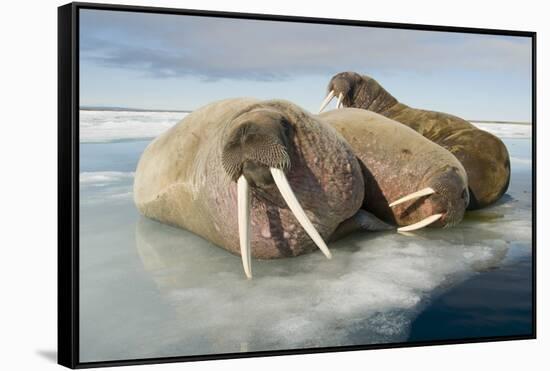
column 150, row 290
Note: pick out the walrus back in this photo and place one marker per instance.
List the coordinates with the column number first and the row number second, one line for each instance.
column 172, row 169
column 385, row 138
column 376, row 139
column 483, row 155
column 436, row 126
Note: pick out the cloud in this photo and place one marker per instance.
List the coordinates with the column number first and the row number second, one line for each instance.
column 162, row 45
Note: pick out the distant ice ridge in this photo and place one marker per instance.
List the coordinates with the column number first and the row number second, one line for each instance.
column 506, row 131
column 102, row 178
column 112, row 126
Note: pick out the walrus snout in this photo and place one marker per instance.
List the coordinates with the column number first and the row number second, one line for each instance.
column 450, row 199
column 341, row 87
column 441, row 203
column 259, row 142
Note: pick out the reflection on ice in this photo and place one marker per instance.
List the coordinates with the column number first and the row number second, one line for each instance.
column 106, row 186
column 371, row 289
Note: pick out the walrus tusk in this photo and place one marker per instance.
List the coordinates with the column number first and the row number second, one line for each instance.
column 326, row 101
column 423, row 192
column 421, row 224
column 340, row 104
column 243, row 197
column 286, row 191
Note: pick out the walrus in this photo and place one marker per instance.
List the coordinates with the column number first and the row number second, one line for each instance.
column 258, row 178
column 483, row 155
column 409, row 180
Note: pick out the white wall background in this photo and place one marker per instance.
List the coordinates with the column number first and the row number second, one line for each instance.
column 28, row 155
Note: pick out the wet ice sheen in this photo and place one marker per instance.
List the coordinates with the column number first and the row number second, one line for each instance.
column 151, row 290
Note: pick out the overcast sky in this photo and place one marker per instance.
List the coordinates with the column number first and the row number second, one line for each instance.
column 164, row 61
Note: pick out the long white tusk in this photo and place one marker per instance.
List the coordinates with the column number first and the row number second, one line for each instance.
column 243, row 200
column 421, row 224
column 286, row 191
column 417, row 194
column 326, row 101
column 340, row 104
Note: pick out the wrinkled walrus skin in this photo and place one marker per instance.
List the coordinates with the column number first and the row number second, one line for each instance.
column 397, row 161
column 181, row 180
column 483, row 155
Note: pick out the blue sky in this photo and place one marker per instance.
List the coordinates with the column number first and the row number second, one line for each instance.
column 161, row 61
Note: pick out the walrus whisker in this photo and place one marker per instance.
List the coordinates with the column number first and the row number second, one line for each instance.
column 243, row 197
column 326, row 101
column 339, row 104
column 423, row 192
column 286, row 191
column 421, row 224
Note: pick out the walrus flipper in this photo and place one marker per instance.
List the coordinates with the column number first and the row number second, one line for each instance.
column 361, row 221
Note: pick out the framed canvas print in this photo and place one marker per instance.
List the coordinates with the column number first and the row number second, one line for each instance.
column 238, row 185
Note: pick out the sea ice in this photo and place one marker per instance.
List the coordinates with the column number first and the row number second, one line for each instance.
column 112, row 126
column 152, row 290
column 195, row 299
column 507, row 131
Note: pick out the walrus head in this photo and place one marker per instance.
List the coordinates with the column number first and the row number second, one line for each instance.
column 293, row 167
column 358, row 91
column 259, row 142
column 441, row 203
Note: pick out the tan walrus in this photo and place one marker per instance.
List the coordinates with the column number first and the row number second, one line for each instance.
column 258, row 178
column 409, row 180
column 483, row 155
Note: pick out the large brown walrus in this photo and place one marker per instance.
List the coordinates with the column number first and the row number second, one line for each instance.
column 409, row 180
column 483, row 155
column 258, row 178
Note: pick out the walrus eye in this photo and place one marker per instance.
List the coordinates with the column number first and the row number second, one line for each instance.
column 243, row 206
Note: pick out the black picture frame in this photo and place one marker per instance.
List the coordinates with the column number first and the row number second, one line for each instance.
column 68, row 180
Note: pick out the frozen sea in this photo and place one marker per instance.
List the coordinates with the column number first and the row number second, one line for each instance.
column 151, row 290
